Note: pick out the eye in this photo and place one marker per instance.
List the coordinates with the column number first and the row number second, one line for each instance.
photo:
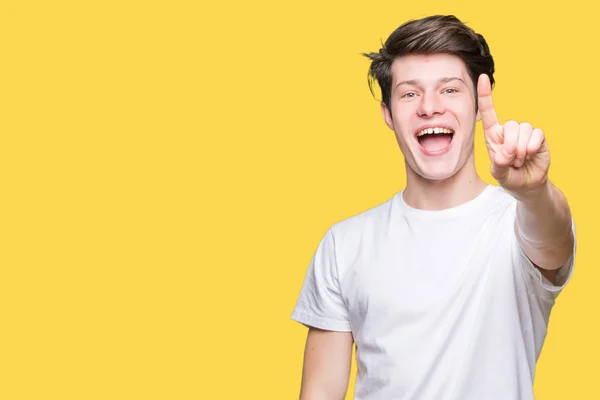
column 409, row 95
column 450, row 90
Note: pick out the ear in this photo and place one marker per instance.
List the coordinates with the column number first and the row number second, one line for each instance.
column 476, row 100
column 387, row 116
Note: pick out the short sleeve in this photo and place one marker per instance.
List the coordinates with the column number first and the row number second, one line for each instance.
column 542, row 286
column 320, row 303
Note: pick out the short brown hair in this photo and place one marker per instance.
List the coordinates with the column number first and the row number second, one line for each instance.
column 429, row 35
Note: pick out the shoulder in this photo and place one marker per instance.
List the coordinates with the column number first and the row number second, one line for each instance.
column 360, row 234
column 500, row 206
column 499, row 199
column 365, row 223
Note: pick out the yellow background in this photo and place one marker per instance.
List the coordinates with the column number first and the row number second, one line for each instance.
column 168, row 168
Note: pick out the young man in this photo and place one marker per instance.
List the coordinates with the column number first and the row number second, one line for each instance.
column 446, row 288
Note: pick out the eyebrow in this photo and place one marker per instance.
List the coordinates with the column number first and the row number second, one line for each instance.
column 441, row 80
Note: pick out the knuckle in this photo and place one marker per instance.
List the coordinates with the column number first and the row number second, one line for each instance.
column 526, row 126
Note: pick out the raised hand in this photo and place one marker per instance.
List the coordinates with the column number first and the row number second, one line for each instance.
column 518, row 151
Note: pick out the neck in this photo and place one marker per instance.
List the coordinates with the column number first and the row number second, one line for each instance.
column 460, row 188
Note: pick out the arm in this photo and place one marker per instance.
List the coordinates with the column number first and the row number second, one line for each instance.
column 544, row 228
column 327, row 361
column 520, row 162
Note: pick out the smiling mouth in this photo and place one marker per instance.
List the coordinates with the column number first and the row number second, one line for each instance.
column 435, row 140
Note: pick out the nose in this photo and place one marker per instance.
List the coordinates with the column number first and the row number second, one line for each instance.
column 430, row 105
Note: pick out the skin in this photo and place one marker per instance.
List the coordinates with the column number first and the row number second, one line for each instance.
column 437, row 90
column 422, row 95
column 327, row 362
column 520, row 162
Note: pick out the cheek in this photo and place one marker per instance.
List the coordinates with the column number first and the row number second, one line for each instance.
column 464, row 115
column 405, row 120
column 465, row 108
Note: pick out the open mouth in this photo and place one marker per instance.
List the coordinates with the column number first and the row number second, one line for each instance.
column 435, row 140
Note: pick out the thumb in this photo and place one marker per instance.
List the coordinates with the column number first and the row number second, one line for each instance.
column 500, row 168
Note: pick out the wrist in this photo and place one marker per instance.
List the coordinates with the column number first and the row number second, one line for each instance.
column 533, row 195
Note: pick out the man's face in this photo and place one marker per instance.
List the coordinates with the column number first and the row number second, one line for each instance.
column 432, row 113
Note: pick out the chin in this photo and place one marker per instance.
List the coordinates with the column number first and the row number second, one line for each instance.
column 438, row 177
column 436, row 172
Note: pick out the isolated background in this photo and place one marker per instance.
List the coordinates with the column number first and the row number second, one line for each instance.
column 167, row 169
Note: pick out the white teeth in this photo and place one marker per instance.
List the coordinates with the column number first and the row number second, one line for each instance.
column 434, row 131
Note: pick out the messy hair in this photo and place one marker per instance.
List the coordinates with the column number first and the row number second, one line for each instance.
column 430, row 35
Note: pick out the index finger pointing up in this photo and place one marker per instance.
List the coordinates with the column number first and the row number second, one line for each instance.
column 491, row 126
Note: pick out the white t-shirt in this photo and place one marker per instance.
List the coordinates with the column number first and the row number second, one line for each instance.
column 443, row 305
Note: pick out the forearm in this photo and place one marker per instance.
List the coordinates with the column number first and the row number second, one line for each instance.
column 543, row 226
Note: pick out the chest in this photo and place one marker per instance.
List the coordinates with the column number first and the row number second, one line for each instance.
column 419, row 275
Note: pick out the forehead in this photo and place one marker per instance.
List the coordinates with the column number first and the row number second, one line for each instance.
column 428, row 68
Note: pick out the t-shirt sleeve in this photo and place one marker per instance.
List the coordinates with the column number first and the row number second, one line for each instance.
column 537, row 282
column 320, row 303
